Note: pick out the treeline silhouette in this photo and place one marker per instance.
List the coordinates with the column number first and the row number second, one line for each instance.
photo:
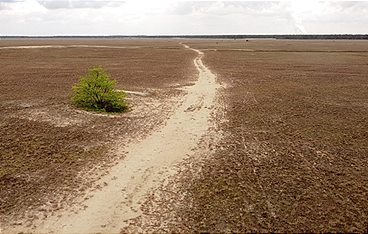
column 277, row 36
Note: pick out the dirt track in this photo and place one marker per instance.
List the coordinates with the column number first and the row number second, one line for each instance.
column 291, row 154
column 147, row 164
column 48, row 148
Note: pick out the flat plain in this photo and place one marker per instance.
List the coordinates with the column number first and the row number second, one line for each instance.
column 47, row 146
column 291, row 153
column 295, row 153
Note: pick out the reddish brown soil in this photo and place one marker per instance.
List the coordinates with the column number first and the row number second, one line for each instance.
column 46, row 145
column 280, row 45
column 294, row 153
column 145, row 43
column 293, row 157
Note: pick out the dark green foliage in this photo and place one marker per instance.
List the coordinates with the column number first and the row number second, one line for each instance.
column 96, row 91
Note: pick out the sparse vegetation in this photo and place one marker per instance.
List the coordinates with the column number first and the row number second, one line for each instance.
column 96, row 91
column 45, row 149
column 290, row 157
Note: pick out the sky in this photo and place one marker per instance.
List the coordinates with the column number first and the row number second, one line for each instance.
column 173, row 17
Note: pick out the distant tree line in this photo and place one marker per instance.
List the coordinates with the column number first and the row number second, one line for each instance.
column 277, row 36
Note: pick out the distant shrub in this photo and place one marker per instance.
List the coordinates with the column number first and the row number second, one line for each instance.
column 96, row 91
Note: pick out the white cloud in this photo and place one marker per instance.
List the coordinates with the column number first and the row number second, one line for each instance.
column 23, row 7
column 69, row 4
column 103, row 17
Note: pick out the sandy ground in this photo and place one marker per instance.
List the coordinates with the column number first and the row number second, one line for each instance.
column 294, row 155
column 145, row 167
column 48, row 147
column 291, row 155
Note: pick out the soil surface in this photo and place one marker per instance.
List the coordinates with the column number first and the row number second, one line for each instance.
column 294, row 153
column 52, row 152
column 277, row 144
column 293, row 156
column 145, row 166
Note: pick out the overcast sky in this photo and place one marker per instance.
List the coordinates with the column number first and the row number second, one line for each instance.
column 163, row 17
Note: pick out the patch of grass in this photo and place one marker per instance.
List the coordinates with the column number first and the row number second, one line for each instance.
column 96, row 92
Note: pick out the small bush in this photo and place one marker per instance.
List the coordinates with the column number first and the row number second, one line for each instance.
column 96, row 91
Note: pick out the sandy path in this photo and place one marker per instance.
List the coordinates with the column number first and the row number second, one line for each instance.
column 147, row 165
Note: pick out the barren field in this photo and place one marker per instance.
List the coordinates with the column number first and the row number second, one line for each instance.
column 277, row 144
column 47, row 146
column 294, row 155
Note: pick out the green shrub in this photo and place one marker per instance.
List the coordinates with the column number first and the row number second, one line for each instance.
column 96, row 91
